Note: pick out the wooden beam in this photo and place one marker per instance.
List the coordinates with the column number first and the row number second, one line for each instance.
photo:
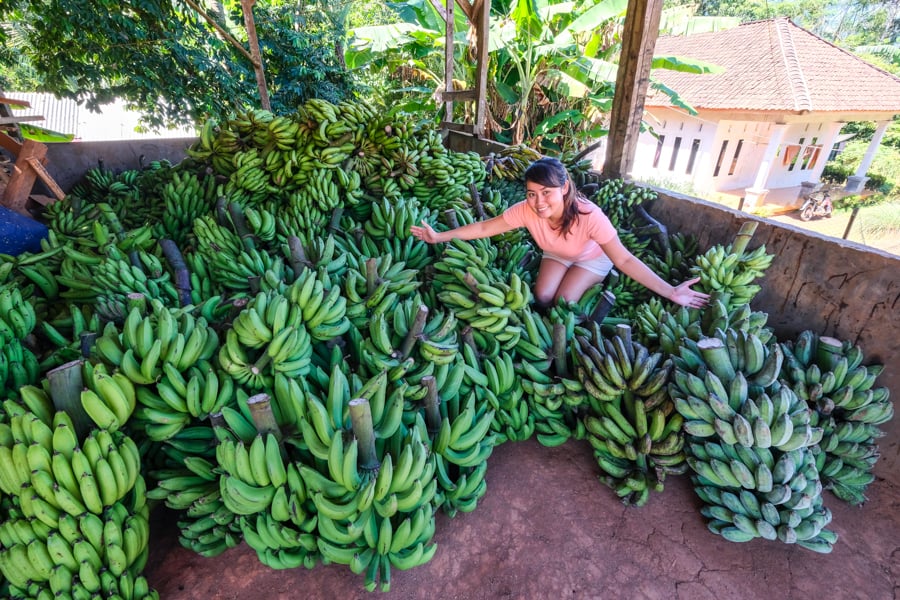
column 467, row 8
column 48, row 180
column 15, row 102
column 22, row 119
column 10, row 144
column 459, row 95
column 23, row 176
column 461, row 127
column 638, row 41
column 440, row 8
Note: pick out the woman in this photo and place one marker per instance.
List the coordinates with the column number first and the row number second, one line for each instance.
column 579, row 242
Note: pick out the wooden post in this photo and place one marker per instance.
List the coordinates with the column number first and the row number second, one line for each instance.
column 482, row 24
column 638, row 40
column 448, row 61
column 250, row 24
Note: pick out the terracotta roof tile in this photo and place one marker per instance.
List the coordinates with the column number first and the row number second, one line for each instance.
column 774, row 65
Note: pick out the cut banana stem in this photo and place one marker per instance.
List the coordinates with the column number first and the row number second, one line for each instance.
column 136, row 300
column 182, row 275
column 66, row 383
column 240, row 226
column 559, row 349
column 743, row 237
column 87, row 339
column 261, row 411
column 418, row 325
column 299, row 261
column 371, row 276
column 432, row 411
column 364, row 430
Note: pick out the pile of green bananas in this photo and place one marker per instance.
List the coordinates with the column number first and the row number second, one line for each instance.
column 828, row 374
column 750, row 442
column 632, row 425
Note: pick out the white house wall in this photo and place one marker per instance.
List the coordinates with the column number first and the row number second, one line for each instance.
column 753, row 137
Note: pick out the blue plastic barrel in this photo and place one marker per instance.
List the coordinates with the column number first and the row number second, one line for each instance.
column 19, row 233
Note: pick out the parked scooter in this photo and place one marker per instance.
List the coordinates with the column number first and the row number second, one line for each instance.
column 817, row 204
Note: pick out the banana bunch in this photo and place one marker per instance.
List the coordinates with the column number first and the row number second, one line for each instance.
column 555, row 398
column 461, row 448
column 186, row 196
column 228, row 262
column 326, row 255
column 147, row 343
column 511, row 162
column 324, row 418
column 478, row 296
column 732, row 270
column 619, row 199
column 616, row 366
column 497, row 385
column 828, row 374
column 277, row 544
column 179, row 398
column 73, row 217
column 791, row 511
column 393, row 219
column 81, row 557
column 18, row 367
column 319, row 305
column 68, row 477
column 108, row 399
column 262, row 343
column 254, row 476
column 631, row 424
column 39, row 268
column 375, row 285
column 389, row 522
column 17, row 316
column 727, row 405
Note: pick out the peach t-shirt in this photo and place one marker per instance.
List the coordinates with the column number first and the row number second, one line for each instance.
column 590, row 229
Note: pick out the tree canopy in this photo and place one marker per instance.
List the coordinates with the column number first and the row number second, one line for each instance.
column 165, row 60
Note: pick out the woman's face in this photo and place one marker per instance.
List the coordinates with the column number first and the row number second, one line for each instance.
column 546, row 202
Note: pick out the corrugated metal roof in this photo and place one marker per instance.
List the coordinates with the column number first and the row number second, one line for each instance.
column 775, row 65
column 67, row 116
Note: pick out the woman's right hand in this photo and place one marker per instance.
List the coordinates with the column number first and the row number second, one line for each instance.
column 424, row 233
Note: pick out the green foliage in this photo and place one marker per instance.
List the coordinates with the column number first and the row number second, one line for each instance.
column 883, row 222
column 165, row 61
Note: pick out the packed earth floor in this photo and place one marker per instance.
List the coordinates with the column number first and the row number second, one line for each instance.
column 548, row 529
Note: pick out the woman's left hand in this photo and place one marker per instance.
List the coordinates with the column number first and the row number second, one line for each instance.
column 685, row 296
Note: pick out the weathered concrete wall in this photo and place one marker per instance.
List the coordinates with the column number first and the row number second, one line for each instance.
column 831, row 286
column 69, row 162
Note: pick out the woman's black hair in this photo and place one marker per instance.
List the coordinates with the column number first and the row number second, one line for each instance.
column 550, row 172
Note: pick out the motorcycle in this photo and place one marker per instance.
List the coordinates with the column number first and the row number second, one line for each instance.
column 816, row 205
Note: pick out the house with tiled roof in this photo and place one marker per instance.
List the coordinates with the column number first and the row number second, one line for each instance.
column 768, row 119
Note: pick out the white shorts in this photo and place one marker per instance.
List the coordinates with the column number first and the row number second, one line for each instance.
column 600, row 266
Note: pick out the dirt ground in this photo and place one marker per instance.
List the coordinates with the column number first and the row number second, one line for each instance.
column 548, row 529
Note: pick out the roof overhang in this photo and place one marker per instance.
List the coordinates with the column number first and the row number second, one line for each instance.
column 718, row 114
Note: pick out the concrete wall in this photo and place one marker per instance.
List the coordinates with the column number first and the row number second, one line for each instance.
column 69, row 162
column 831, row 286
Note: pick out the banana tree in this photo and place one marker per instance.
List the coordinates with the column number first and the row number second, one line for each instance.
column 552, row 64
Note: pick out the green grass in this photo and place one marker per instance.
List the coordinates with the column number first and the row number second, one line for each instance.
column 880, row 221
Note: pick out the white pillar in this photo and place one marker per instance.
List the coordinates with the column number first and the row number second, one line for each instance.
column 856, row 182
column 834, row 129
column 757, row 192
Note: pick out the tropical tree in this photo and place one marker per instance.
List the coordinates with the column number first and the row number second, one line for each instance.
column 165, row 59
column 551, row 71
